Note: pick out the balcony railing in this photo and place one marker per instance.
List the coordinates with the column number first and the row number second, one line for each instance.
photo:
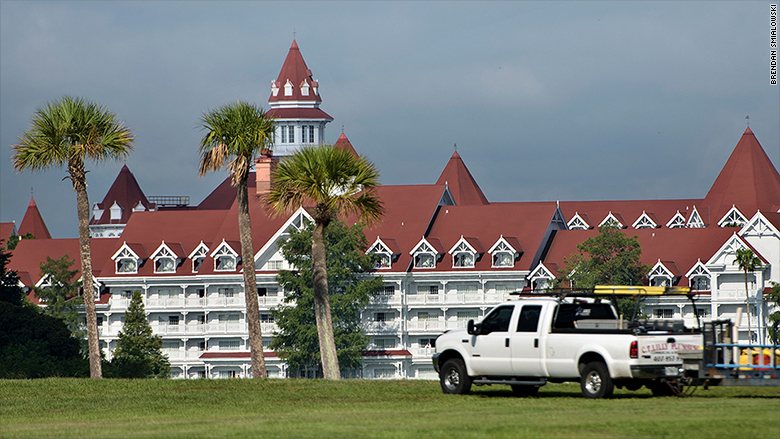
column 168, row 302
column 390, row 326
column 225, row 301
column 227, row 328
column 423, row 352
column 423, row 299
column 390, row 299
column 426, row 325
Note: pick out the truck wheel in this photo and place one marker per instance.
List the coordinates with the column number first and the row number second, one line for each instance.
column 595, row 382
column 453, row 378
column 525, row 390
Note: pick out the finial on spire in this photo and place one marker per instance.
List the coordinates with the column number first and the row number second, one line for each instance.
column 293, row 32
column 747, row 120
column 456, row 147
column 342, row 128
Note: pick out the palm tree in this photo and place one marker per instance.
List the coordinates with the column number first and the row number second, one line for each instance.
column 235, row 134
column 748, row 262
column 68, row 132
column 337, row 182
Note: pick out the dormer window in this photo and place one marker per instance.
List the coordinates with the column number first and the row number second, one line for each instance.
column 383, row 256
column 127, row 261
column 612, row 221
column 463, row 256
column 274, row 88
column 503, row 253
column 165, row 265
column 645, row 221
column 699, row 277
column 577, row 222
column 305, row 88
column 660, row 276
column 695, row 221
column 424, row 260
column 225, row 259
column 733, row 218
column 198, row 256
column 288, row 88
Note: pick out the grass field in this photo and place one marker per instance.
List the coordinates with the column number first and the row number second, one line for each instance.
column 82, row 408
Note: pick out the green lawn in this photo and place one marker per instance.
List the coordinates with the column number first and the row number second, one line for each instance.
column 385, row 409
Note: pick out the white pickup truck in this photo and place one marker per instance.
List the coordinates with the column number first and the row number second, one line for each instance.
column 528, row 342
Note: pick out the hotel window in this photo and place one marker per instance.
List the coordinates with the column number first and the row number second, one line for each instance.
column 463, row 256
column 700, row 283
column 384, row 343
column 291, row 134
column 229, row 345
column 283, row 131
column 503, row 259
column 266, row 318
column 388, row 290
column 225, row 261
column 173, row 320
column 663, row 313
column 382, row 260
column 126, row 262
column 226, row 374
column 164, row 265
column 424, row 260
column 226, row 292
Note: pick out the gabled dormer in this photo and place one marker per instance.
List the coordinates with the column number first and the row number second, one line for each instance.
column 269, row 257
column 694, row 220
column 288, row 88
column 386, row 252
column 426, row 253
column 225, row 257
column 699, row 277
column 304, row 88
column 198, row 255
column 646, row 221
column 579, row 222
column 465, row 252
column 167, row 257
column 723, row 259
column 759, row 227
column 677, row 221
column 128, row 258
column 732, row 218
column 505, row 252
column 541, row 276
column 663, row 274
column 613, row 220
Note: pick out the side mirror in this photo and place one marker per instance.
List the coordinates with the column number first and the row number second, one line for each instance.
column 471, row 328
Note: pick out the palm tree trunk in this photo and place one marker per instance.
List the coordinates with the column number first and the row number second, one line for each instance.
column 79, row 180
column 250, row 283
column 330, row 361
column 747, row 302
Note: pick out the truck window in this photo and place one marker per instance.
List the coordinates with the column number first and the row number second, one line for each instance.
column 529, row 318
column 568, row 313
column 497, row 320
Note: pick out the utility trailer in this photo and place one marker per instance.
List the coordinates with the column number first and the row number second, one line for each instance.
column 721, row 362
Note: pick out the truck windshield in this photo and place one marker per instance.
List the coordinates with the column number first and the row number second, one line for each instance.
column 568, row 313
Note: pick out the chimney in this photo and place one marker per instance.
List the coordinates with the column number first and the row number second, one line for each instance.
column 265, row 166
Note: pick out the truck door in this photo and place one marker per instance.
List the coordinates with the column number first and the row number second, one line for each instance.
column 490, row 353
column 525, row 343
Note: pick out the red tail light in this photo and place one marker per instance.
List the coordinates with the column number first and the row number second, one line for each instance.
column 633, row 351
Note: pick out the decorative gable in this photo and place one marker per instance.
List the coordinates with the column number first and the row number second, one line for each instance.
column 646, row 221
column 613, row 220
column 269, row 257
column 167, row 258
column 225, row 257
column 724, row 257
column 663, row 274
column 732, row 218
column 505, row 252
column 699, row 277
column 425, row 254
column 304, row 88
column 128, row 258
column 541, row 276
column 579, row 222
column 198, row 256
column 695, row 221
column 288, row 88
column 465, row 252
column 386, row 253
column 677, row 221
column 274, row 88
column 759, row 226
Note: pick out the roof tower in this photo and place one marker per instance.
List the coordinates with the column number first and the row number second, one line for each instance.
column 33, row 222
column 462, row 185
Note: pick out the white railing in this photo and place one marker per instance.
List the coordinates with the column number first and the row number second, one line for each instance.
column 426, row 325
column 382, row 326
column 198, row 328
column 269, row 300
column 174, row 355
column 224, row 328
column 195, row 302
column 422, row 299
column 391, row 299
column 166, row 302
column 165, row 329
column 456, row 324
column 735, row 294
column 423, row 352
column 268, row 328
column 119, row 302
column 238, row 299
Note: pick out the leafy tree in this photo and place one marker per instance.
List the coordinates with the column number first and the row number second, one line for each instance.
column 609, row 258
column 70, row 131
column 61, row 296
column 350, row 289
column 33, row 345
column 748, row 262
column 13, row 240
column 237, row 133
column 139, row 352
column 338, row 183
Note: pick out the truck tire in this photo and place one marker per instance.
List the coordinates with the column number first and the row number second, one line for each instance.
column 595, row 381
column 525, row 390
column 453, row 377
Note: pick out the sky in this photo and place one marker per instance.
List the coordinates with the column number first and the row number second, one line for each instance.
column 544, row 100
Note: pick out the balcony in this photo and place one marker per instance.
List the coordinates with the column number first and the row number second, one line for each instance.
column 225, row 301
column 165, row 329
column 456, row 324
column 424, row 299
column 734, row 294
column 423, row 352
column 426, row 325
column 386, row 299
column 163, row 303
column 391, row 326
column 227, row 328
column 269, row 300
column 268, row 328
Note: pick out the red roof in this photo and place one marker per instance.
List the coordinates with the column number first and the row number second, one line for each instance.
column 33, row 222
column 126, row 193
column 463, row 187
column 748, row 180
column 298, row 113
column 344, row 143
column 6, row 230
column 295, row 71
